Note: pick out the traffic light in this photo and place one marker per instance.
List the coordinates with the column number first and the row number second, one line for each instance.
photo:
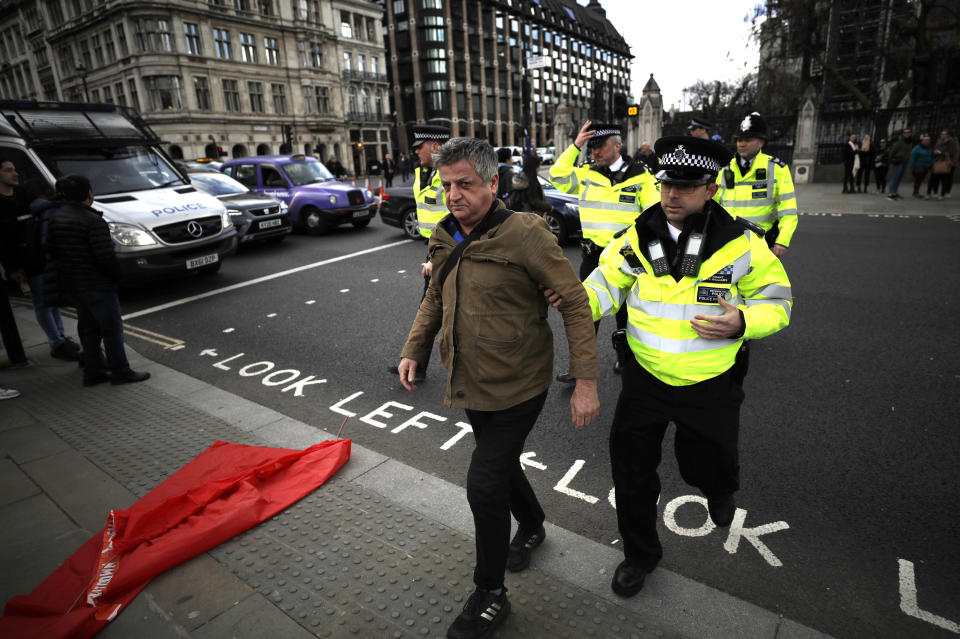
column 288, row 134
column 220, row 152
column 619, row 105
column 633, row 110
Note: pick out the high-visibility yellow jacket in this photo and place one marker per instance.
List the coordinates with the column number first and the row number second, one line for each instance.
column 736, row 264
column 764, row 195
column 605, row 208
column 431, row 205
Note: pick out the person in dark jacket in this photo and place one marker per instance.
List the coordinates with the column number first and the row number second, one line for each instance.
column 865, row 155
column 881, row 162
column 506, row 171
column 526, row 193
column 389, row 168
column 88, row 272
column 334, row 166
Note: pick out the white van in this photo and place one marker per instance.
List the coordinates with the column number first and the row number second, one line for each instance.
column 160, row 224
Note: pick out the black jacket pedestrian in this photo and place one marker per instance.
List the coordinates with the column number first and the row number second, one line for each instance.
column 78, row 241
column 12, row 209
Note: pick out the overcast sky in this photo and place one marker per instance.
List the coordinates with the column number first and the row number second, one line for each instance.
column 682, row 41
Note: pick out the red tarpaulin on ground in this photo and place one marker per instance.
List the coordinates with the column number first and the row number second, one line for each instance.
column 225, row 490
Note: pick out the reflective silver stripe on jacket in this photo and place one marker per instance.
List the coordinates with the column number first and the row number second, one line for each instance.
column 788, row 196
column 786, row 212
column 665, row 310
column 767, row 201
column 607, row 294
column 609, row 206
column 677, row 346
column 602, row 226
column 785, row 304
column 426, row 225
column 571, row 179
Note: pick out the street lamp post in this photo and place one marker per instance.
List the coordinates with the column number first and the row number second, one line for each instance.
column 82, row 71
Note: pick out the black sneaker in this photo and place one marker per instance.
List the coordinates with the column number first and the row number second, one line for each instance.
column 721, row 509
column 130, row 377
column 521, row 547
column 66, row 352
column 482, row 613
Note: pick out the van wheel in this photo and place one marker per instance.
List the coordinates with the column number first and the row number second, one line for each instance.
column 557, row 227
column 312, row 221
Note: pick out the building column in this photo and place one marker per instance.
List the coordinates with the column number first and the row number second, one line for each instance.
column 484, row 111
column 452, row 74
column 468, row 86
column 395, row 68
column 415, row 61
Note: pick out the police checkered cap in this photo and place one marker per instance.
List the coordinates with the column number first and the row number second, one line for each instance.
column 423, row 132
column 697, row 123
column 604, row 130
column 688, row 159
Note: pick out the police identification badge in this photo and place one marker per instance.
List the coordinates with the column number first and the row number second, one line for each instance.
column 628, row 199
column 761, row 174
column 759, row 195
column 723, row 276
column 709, row 294
column 430, row 200
column 629, row 189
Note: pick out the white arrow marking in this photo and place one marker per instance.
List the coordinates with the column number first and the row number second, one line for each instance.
column 908, row 599
column 526, row 459
column 208, row 351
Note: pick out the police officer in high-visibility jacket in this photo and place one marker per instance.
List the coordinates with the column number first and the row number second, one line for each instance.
column 613, row 190
column 696, row 283
column 431, row 206
column 758, row 187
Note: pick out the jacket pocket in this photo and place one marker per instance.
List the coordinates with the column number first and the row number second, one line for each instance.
column 498, row 359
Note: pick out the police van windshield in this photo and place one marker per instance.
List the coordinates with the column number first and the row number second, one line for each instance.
column 301, row 173
column 113, row 170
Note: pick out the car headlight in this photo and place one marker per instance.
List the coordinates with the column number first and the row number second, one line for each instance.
column 283, row 207
column 130, row 235
column 333, row 199
column 225, row 219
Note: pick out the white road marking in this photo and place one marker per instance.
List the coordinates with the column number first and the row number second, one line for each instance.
column 344, row 290
column 310, row 302
column 738, row 530
column 209, row 351
column 272, row 315
column 670, row 517
column 258, row 280
column 563, row 486
column 908, row 599
column 526, row 459
column 376, row 279
column 228, row 330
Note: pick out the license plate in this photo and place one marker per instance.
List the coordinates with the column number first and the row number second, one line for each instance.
column 203, row 261
column 357, row 214
column 266, row 224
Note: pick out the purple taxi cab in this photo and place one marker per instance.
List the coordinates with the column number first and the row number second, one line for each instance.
column 316, row 200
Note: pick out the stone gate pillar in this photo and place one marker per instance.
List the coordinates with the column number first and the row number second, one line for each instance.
column 805, row 145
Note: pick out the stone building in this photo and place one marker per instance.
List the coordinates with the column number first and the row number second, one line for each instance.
column 476, row 65
column 238, row 75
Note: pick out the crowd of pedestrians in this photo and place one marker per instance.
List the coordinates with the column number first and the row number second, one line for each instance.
column 927, row 162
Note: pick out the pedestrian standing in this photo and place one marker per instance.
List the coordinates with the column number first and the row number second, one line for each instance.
column 403, row 165
column 881, row 162
column 612, row 190
column 944, row 162
column 921, row 159
column 389, row 168
column 699, row 128
column 850, row 162
column 648, row 157
column 88, row 272
column 865, row 162
column 477, row 305
column 727, row 288
column 899, row 158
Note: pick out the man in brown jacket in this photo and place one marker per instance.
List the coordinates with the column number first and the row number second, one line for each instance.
column 489, row 265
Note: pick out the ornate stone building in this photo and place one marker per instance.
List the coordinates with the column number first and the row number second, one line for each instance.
column 240, row 75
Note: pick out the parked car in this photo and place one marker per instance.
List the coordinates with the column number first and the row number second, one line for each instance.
column 548, row 154
column 564, row 214
column 256, row 217
column 201, row 163
column 317, row 201
column 399, row 208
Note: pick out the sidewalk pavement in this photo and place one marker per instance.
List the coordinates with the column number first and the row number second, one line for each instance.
column 380, row 550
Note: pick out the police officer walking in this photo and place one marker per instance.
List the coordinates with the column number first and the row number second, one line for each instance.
column 758, row 187
column 696, row 283
column 431, row 207
column 613, row 190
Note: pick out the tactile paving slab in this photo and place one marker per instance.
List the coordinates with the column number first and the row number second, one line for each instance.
column 342, row 562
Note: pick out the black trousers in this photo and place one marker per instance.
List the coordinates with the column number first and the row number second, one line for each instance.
column 881, row 172
column 497, row 485
column 707, row 417
column 848, row 181
column 587, row 266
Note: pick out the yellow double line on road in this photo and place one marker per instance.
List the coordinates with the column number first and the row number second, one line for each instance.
column 168, row 343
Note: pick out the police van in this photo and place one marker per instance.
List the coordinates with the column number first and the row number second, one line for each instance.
column 160, row 224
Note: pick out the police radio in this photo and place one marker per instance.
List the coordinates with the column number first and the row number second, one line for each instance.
column 728, row 179
column 658, row 258
column 690, row 263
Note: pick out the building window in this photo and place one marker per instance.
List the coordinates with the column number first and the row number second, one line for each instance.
column 360, row 63
column 302, row 50
column 221, row 43
column 85, row 54
column 279, row 98
column 346, row 60
column 373, row 67
column 107, row 95
column 65, row 57
column 364, row 101
column 202, row 89
column 323, row 99
column 231, row 95
column 316, row 54
column 164, row 92
column 271, row 51
column 242, row 5
column 248, row 48
column 378, row 99
column 108, row 46
column 55, row 11
column 94, row 95
column 308, row 100
column 121, row 96
column 97, row 50
column 358, row 31
column 346, row 29
column 191, row 34
column 153, row 35
column 266, row 7
column 134, row 96
column 255, row 89
column 352, row 100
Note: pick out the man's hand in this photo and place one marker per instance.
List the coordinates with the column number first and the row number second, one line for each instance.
column 585, row 403
column 779, row 250
column 407, row 370
column 553, row 298
column 719, row 326
column 427, row 269
column 585, row 134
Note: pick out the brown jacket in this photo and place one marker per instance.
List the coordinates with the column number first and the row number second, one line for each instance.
column 494, row 340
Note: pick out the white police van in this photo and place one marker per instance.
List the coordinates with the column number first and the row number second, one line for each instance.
column 160, row 224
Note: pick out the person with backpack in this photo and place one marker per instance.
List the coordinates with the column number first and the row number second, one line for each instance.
column 24, row 257
column 526, row 193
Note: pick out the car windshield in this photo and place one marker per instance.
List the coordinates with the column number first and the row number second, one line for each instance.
column 217, row 183
column 301, row 173
column 113, row 170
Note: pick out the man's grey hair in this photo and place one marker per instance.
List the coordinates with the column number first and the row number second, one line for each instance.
column 477, row 152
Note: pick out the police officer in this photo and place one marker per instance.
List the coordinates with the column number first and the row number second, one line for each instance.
column 431, row 207
column 699, row 128
column 758, row 187
column 696, row 283
column 613, row 190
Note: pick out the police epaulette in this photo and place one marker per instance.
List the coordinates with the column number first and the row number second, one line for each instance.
column 756, row 228
column 621, row 232
column 778, row 162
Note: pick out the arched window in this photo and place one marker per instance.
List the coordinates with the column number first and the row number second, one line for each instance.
column 176, row 152
column 263, row 149
column 239, row 151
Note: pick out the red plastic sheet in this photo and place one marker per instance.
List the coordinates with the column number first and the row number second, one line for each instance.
column 225, row 490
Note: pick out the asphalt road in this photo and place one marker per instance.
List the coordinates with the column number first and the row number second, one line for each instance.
column 849, row 439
